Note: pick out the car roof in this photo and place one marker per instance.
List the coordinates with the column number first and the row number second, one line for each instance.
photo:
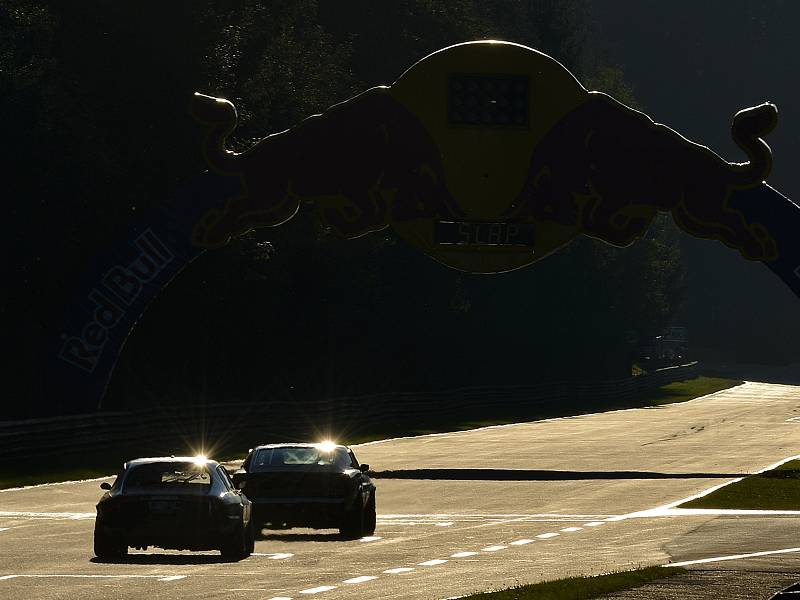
column 296, row 445
column 167, row 459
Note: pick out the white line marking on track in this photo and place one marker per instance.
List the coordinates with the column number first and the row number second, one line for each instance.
column 45, row 515
column 731, row 557
column 362, row 579
column 521, row 542
column 487, row 521
column 399, row 570
column 669, row 510
column 467, row 516
column 318, row 590
column 432, row 563
column 86, row 576
column 40, row 485
column 571, row 529
column 493, row 548
column 273, row 555
column 280, row 598
column 594, row 524
column 701, row 512
column 370, row 538
column 546, row 536
column 4, row 528
column 463, row 554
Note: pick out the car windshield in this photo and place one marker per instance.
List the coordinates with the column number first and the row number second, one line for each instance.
column 170, row 476
column 308, row 456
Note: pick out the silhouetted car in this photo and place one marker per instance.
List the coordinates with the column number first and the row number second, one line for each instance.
column 308, row 485
column 182, row 503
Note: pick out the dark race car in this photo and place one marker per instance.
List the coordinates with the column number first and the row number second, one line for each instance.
column 181, row 503
column 308, row 485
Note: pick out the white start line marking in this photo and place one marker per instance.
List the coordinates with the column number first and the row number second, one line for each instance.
column 521, row 542
column 318, row 590
column 370, row 538
column 594, row 524
column 463, row 554
column 398, row 570
column 362, row 579
column 546, row 536
column 571, row 529
column 493, row 548
column 274, row 555
column 432, row 563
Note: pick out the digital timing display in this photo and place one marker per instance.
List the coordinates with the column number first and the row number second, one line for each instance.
column 471, row 233
column 488, row 100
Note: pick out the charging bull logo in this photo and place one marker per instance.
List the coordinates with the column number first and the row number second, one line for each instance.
column 489, row 156
column 364, row 163
column 608, row 169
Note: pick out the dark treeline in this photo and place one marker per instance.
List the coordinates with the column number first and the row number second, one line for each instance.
column 693, row 65
column 94, row 101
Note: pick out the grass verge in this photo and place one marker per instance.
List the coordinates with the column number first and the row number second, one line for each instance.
column 61, row 468
column 778, row 489
column 681, row 391
column 581, row 588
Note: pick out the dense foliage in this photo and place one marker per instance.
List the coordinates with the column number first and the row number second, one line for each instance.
column 95, row 96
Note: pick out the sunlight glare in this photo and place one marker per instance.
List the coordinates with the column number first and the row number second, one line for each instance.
column 326, row 446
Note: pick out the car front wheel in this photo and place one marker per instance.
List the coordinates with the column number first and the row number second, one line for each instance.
column 251, row 538
column 352, row 526
column 370, row 516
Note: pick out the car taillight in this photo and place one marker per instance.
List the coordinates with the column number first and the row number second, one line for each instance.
column 231, row 509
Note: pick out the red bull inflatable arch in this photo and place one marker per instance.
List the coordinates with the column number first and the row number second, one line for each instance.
column 487, row 156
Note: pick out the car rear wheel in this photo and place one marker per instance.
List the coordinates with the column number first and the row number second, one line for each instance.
column 236, row 547
column 370, row 516
column 107, row 547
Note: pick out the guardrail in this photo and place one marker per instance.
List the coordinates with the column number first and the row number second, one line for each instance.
column 232, row 427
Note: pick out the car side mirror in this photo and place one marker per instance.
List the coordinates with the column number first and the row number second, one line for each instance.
column 364, row 467
column 105, row 486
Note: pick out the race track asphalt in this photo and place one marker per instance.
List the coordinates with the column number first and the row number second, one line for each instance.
column 467, row 511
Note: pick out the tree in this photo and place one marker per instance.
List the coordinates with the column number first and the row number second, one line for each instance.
column 101, row 134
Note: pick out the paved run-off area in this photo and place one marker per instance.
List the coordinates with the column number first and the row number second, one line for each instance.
column 467, row 511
